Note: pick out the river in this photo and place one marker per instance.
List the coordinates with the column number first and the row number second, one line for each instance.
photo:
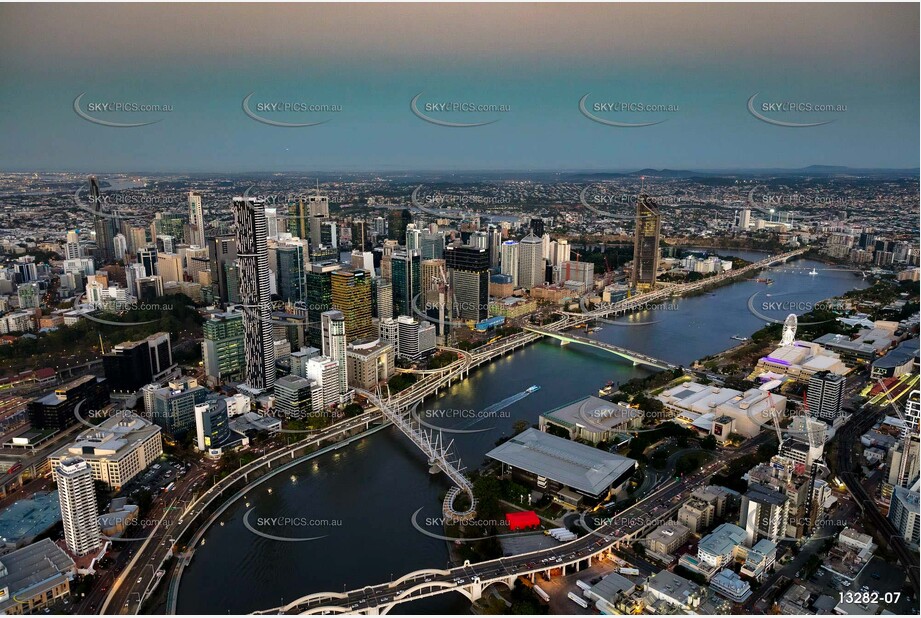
column 361, row 498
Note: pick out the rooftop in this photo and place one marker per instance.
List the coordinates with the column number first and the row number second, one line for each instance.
column 576, row 465
column 899, row 356
column 29, row 517
column 593, row 413
column 723, row 540
column 111, row 437
column 32, row 570
column 674, row 586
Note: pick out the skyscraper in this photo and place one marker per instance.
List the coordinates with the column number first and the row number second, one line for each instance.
column 255, row 291
column 319, row 296
column 508, row 260
column 120, row 244
column 352, row 296
column 332, row 324
column 406, row 278
column 646, row 243
column 397, row 221
column 147, row 256
column 77, row 496
column 432, row 244
column 825, row 394
column 299, row 219
column 103, row 225
column 495, row 240
column 413, row 239
column 223, row 348
column 290, row 261
column 72, row 249
column 384, row 299
column 530, row 262
column 537, row 227
column 469, row 271
column 196, row 220
column 271, row 223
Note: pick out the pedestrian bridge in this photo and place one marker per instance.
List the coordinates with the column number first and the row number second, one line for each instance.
column 635, row 357
column 439, row 455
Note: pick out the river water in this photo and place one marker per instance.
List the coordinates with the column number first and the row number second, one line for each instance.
column 361, row 499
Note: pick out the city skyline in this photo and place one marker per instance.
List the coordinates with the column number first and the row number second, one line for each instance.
column 444, row 309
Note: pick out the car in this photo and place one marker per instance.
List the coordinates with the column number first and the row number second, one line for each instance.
column 140, row 579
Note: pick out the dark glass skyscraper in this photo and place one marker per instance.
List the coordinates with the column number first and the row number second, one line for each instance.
column 290, row 263
column 468, row 268
column 646, row 243
column 406, row 279
column 397, row 220
column 104, row 224
column 318, row 292
column 222, row 252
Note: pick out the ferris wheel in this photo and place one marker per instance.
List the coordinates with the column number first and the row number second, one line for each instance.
column 789, row 330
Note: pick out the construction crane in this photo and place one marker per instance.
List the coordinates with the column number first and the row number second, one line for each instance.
column 608, row 272
column 774, row 415
column 446, row 300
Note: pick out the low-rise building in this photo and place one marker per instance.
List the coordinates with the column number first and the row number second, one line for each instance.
column 801, row 359
column 592, row 419
column 117, row 450
column 34, row 577
column 903, row 359
column 568, row 470
column 674, row 591
column 662, row 542
column 849, row 555
column 728, row 583
column 733, row 412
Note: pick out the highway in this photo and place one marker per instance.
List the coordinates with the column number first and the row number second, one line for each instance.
column 124, row 598
column 189, row 500
column 612, row 535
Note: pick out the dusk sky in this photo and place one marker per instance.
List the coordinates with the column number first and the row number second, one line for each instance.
column 538, row 60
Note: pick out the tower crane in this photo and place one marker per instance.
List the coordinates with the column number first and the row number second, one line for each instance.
column 774, row 415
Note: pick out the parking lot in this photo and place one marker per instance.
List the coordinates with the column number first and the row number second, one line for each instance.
column 156, row 478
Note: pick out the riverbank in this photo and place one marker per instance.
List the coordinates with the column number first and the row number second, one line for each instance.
column 376, row 486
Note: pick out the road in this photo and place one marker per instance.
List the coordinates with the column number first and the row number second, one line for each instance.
column 188, row 500
column 611, row 534
column 848, row 438
column 168, row 511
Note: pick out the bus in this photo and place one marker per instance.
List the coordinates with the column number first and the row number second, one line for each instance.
column 540, row 592
column 578, row 600
column 581, row 584
column 628, row 571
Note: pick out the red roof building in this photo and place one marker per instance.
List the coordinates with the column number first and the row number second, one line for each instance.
column 522, row 520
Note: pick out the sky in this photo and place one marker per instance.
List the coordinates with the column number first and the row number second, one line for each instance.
column 531, row 63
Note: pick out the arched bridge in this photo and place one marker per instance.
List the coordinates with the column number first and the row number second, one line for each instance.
column 636, row 357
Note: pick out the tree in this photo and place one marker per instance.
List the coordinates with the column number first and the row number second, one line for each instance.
column 708, row 443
